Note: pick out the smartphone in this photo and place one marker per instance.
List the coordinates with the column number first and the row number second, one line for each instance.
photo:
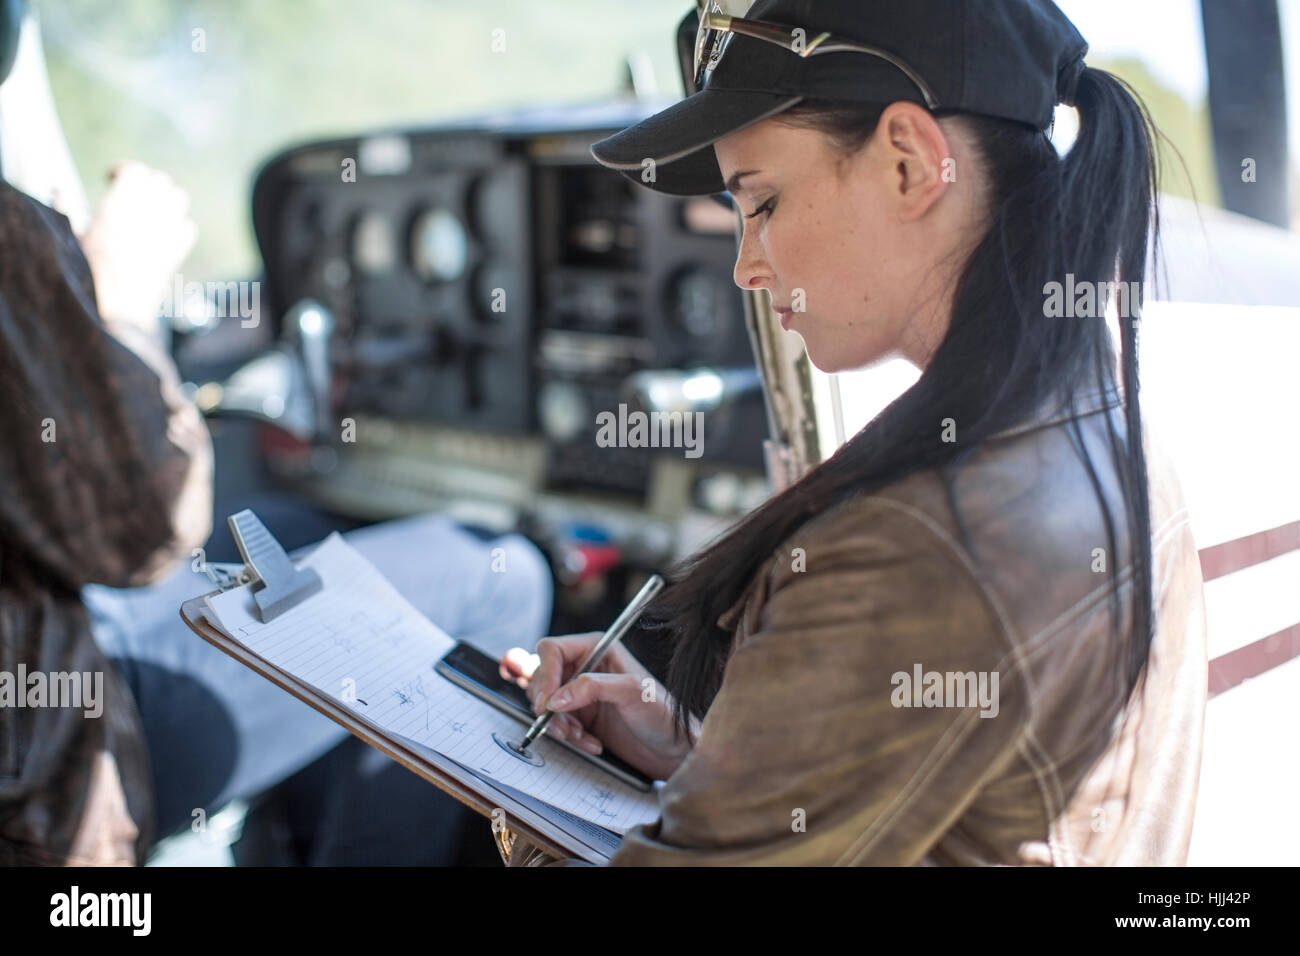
column 476, row 672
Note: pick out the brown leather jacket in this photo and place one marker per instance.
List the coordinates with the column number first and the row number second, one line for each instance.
column 105, row 477
column 807, row 755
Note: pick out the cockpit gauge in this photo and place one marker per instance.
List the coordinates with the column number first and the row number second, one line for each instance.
column 439, row 246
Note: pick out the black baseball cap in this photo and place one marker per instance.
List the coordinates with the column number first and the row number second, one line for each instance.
column 1014, row 59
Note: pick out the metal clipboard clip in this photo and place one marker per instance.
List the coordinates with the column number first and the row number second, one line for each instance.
column 283, row 585
column 227, row 576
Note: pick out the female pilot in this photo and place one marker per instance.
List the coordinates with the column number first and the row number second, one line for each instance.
column 975, row 634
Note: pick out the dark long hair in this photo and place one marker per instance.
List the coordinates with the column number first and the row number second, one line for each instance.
column 1087, row 213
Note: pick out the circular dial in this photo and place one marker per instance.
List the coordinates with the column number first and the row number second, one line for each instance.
column 563, row 411
column 373, row 247
column 439, row 246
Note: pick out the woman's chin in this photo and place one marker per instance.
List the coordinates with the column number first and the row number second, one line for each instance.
column 836, row 357
column 830, row 363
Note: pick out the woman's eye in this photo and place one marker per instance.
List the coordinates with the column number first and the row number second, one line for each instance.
column 766, row 207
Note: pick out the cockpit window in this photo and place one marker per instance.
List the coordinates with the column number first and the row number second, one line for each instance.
column 208, row 90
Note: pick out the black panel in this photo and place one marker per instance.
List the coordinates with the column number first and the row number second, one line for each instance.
column 503, row 280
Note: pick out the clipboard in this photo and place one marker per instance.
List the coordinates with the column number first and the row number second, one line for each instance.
column 509, row 816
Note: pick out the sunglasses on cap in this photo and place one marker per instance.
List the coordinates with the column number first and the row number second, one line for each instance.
column 716, row 29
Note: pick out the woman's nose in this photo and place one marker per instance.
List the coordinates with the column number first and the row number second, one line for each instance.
column 751, row 270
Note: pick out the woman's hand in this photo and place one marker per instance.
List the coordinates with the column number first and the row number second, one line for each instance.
column 619, row 705
column 136, row 243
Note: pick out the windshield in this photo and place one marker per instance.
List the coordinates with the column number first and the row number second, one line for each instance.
column 208, row 90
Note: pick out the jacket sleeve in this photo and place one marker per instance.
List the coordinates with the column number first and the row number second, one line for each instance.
column 107, row 467
column 807, row 755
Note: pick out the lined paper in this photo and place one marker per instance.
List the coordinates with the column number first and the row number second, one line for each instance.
column 360, row 642
column 604, row 841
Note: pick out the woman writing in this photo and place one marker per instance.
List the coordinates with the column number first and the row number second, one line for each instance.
column 974, row 635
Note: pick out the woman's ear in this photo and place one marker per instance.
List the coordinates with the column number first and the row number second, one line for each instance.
column 917, row 158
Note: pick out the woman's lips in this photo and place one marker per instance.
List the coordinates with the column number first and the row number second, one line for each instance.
column 785, row 315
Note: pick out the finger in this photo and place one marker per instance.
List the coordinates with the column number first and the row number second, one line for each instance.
column 573, row 726
column 557, row 730
column 588, row 742
column 187, row 239
column 566, row 727
column 172, row 195
column 621, row 690
column 559, row 657
column 520, row 682
column 178, row 200
column 511, row 665
column 132, row 174
column 520, row 663
column 549, row 671
column 124, row 167
column 159, row 180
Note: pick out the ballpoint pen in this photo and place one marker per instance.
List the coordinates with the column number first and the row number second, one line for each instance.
column 616, row 631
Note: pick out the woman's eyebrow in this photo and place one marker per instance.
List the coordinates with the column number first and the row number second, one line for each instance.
column 733, row 183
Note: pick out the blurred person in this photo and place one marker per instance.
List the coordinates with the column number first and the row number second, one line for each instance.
column 105, row 490
column 106, row 477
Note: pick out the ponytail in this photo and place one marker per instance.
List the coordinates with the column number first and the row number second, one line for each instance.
column 1001, row 359
column 1111, row 177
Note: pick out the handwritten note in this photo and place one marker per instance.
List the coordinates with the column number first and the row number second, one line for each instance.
column 359, row 641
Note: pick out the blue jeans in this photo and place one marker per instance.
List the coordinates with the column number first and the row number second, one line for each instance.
column 217, row 731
